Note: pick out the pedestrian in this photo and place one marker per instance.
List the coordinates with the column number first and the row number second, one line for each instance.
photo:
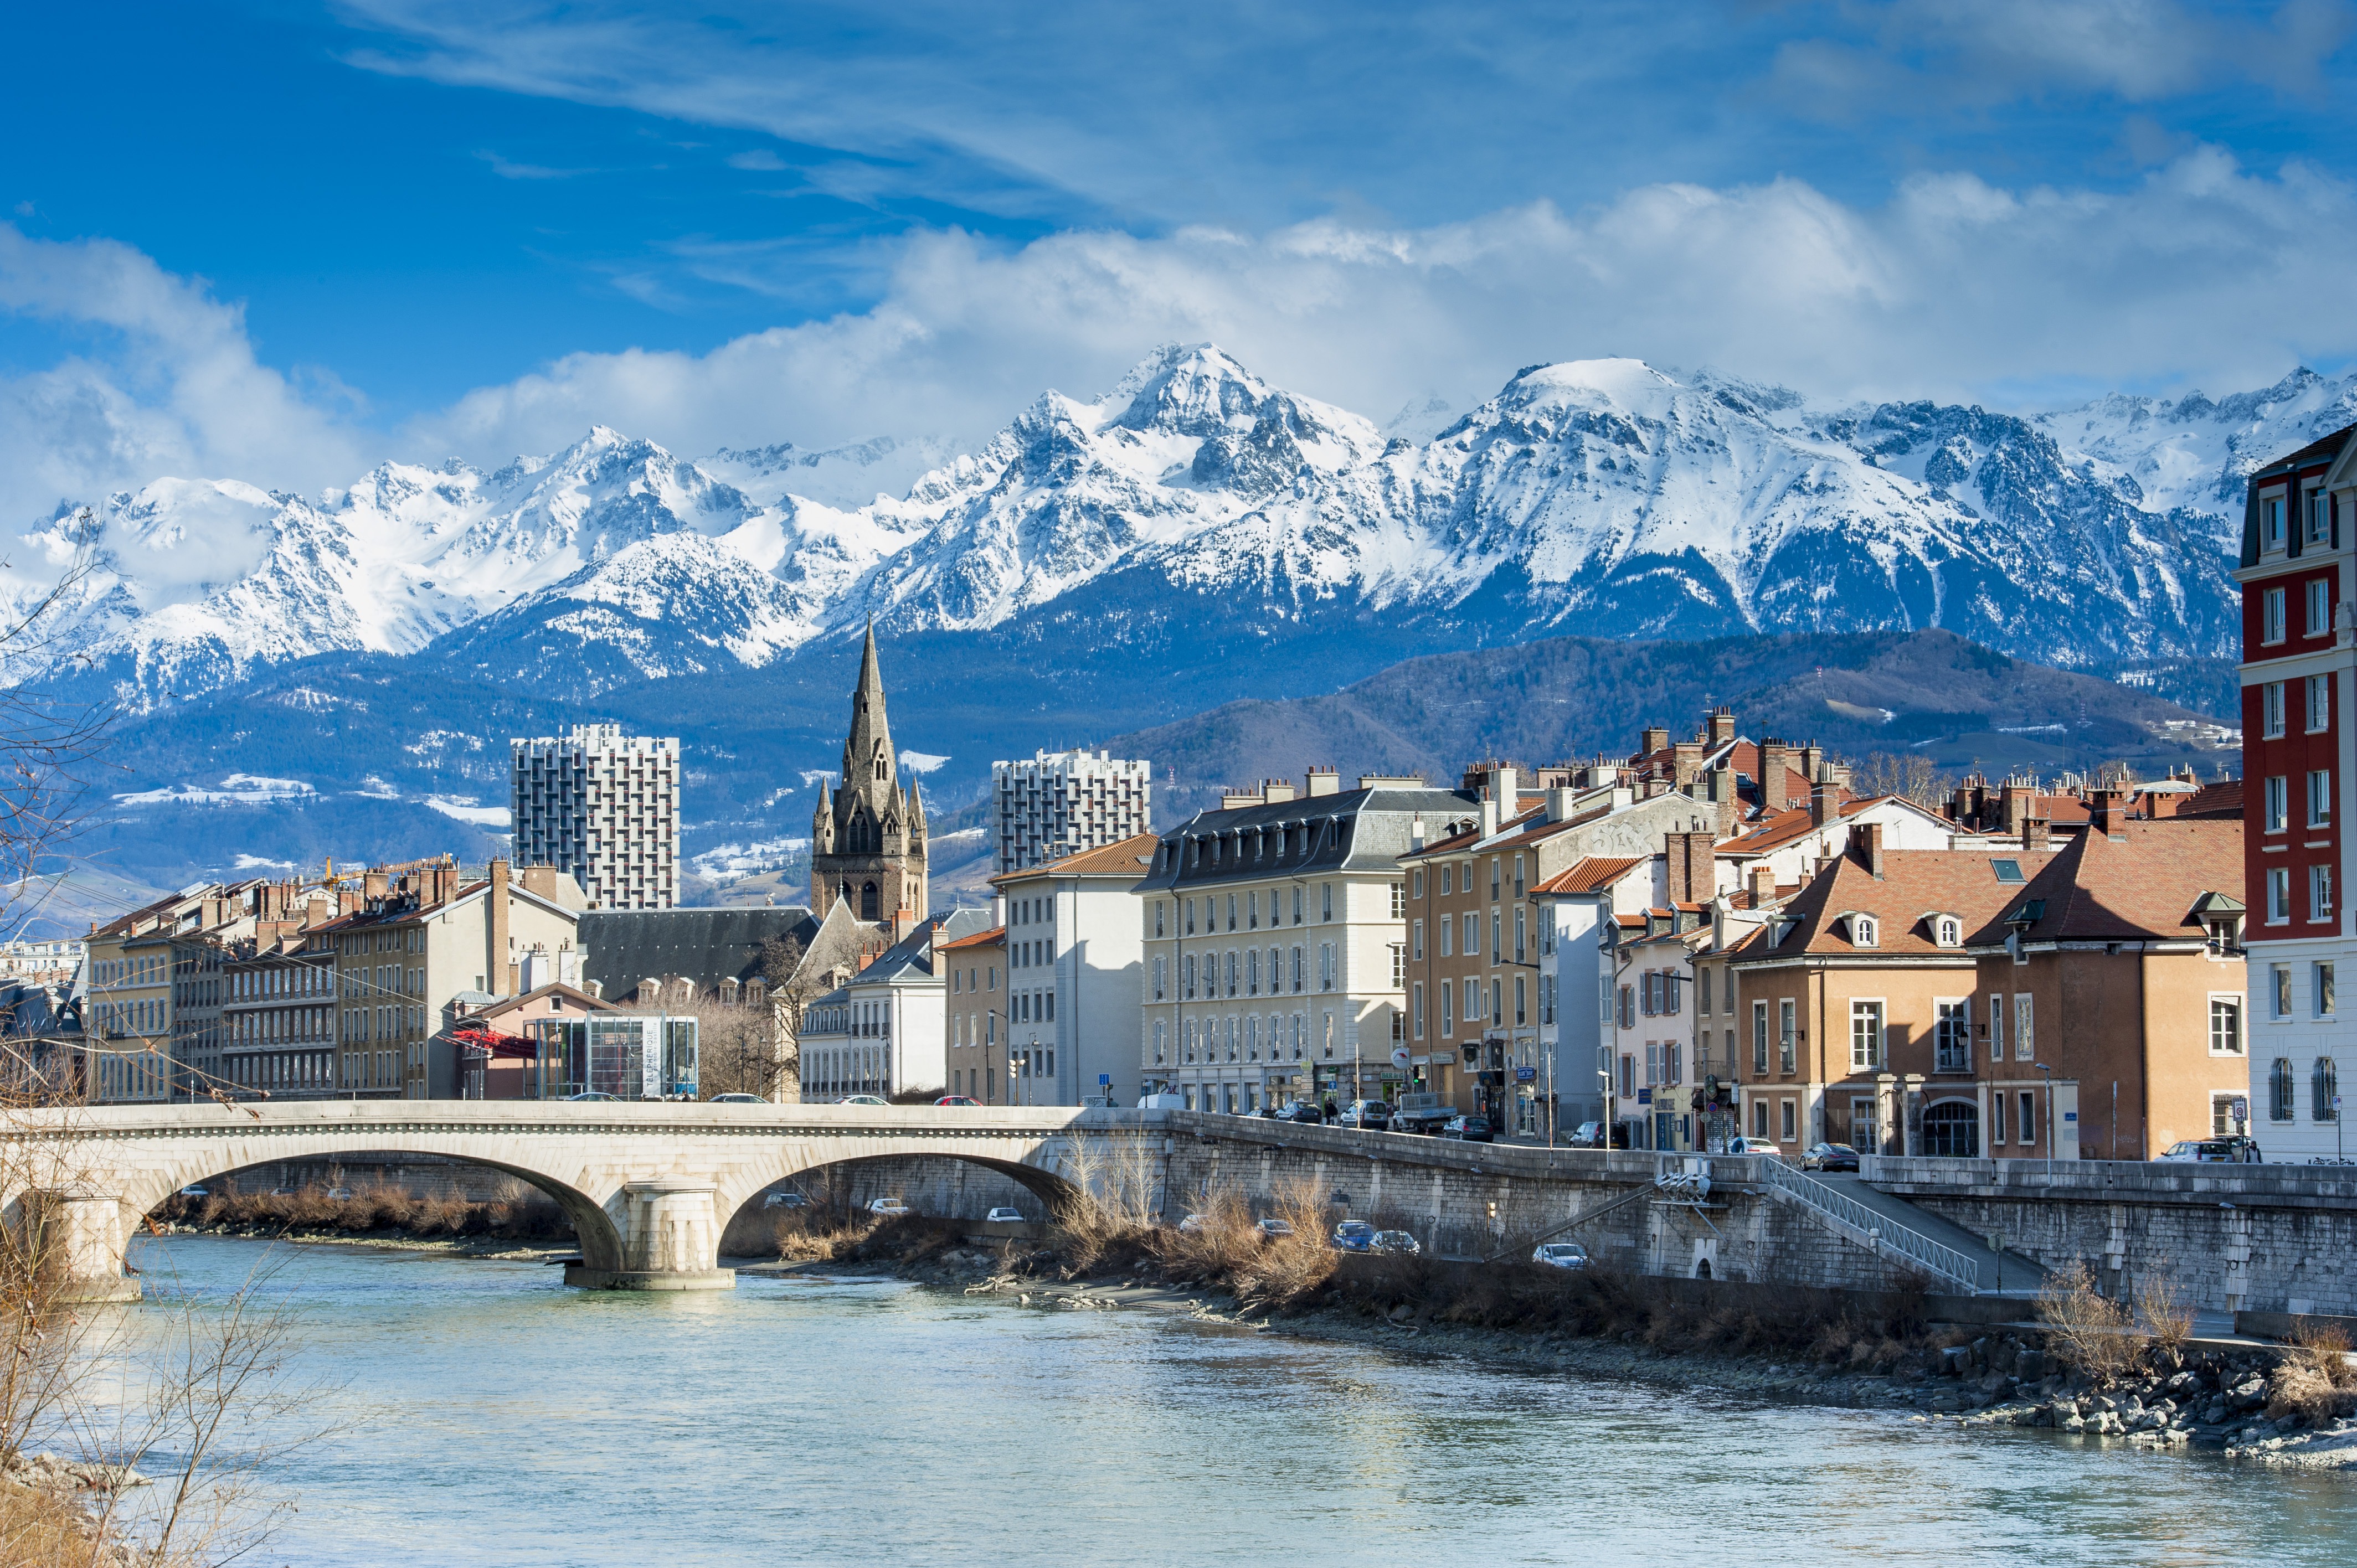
column 1332, row 1115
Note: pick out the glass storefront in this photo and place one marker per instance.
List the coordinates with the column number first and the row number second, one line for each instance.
column 631, row 1057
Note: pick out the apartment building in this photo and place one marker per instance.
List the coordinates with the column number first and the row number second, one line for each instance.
column 1074, row 954
column 152, row 1019
column 1857, row 998
column 411, row 942
column 278, row 1011
column 1581, row 912
column 1063, row 802
column 603, row 808
column 1274, row 941
column 980, row 1064
column 2299, row 659
column 884, row 1031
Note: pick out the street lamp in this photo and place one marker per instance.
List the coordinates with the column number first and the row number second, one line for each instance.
column 1604, row 1106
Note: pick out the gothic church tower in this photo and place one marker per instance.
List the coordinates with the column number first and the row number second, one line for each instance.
column 867, row 837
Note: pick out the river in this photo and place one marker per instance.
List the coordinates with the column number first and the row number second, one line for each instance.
column 493, row 1416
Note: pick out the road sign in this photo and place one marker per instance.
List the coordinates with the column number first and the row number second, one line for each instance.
column 2070, row 1116
column 1526, row 1075
column 1399, row 1057
column 1104, row 1079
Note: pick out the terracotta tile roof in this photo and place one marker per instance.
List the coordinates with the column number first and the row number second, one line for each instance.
column 1915, row 884
column 2139, row 886
column 2220, row 797
column 979, row 940
column 1793, row 822
column 1589, row 876
column 1127, row 858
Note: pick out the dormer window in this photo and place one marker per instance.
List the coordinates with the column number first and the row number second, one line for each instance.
column 1862, row 930
column 1947, row 932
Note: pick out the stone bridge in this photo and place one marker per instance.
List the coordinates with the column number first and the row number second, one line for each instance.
column 648, row 1188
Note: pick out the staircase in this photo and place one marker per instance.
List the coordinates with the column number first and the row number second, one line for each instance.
column 1895, row 1229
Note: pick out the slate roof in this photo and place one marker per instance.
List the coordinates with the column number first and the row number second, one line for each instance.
column 621, row 947
column 1353, row 829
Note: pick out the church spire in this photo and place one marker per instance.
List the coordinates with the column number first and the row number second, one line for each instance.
column 867, row 763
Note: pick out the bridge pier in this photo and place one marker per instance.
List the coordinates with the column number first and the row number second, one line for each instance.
column 670, row 1241
column 82, row 1233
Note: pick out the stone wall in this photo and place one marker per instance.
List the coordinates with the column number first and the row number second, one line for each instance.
column 2225, row 1238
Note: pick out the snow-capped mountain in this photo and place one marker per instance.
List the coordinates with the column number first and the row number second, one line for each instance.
column 1596, row 497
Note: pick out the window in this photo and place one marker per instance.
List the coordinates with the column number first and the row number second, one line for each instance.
column 1948, row 931
column 1952, row 1036
column 2323, row 1091
column 1759, row 1038
column 1418, row 878
column 1759, row 1119
column 2025, row 1040
column 2321, row 986
column 2271, row 711
column 2225, row 1025
column 1447, row 1008
column 1791, row 1126
column 1326, row 900
column 1546, row 999
column 1861, row 931
column 2271, row 616
column 2278, row 803
column 1415, row 1006
column 1161, row 980
column 1497, row 947
column 2320, row 519
column 2279, row 1091
column 1702, row 994
column 2279, row 895
column 2320, row 894
column 1628, row 1007
column 2320, row 606
column 1522, row 1010
column 1996, row 1123
column 2320, row 704
column 1399, row 899
column 1787, row 1033
column 2025, row 1130
column 1158, row 908
column 2320, row 798
column 1448, row 879
column 1865, row 1035
column 1399, row 966
column 1494, row 862
column 1628, row 1075
column 2280, row 989
column 1521, row 915
column 1472, row 935
column 1416, row 941
column 1448, row 937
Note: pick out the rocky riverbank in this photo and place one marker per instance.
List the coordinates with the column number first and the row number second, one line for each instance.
column 2247, row 1403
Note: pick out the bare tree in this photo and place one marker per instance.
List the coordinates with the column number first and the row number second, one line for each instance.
column 1908, row 775
column 48, row 744
column 793, row 984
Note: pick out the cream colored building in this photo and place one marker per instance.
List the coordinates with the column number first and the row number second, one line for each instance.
column 1273, row 937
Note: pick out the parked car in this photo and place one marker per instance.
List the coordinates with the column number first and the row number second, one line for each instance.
column 1753, row 1146
column 201, row 1192
column 888, row 1206
column 1398, row 1243
column 957, row 1100
column 737, row 1099
column 340, row 1194
column 1599, row 1136
column 2234, row 1151
column 1372, row 1115
column 593, row 1094
column 1560, row 1255
column 1354, row 1236
column 1829, row 1158
column 1272, row 1229
column 1470, row 1129
column 1002, row 1215
column 785, row 1200
column 1301, row 1110
column 1427, row 1121
column 861, row 1100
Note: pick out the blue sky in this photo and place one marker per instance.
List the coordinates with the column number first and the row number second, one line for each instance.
column 278, row 240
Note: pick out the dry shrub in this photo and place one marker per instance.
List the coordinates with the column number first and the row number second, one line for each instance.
column 2167, row 1315
column 2315, row 1381
column 39, row 1525
column 1214, row 1241
column 1106, row 1218
column 1285, row 1271
column 2095, row 1333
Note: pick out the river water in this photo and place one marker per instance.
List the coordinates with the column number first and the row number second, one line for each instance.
column 493, row 1416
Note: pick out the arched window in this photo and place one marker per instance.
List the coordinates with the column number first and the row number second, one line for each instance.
column 867, row 901
column 2279, row 1089
column 1861, row 931
column 2323, row 1088
column 1949, row 931
column 1952, row 1130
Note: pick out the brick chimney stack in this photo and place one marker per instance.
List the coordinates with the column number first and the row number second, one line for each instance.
column 1655, row 738
column 1763, row 884
column 2109, row 812
column 1720, row 727
column 1719, row 783
column 1868, row 843
column 1686, row 761
column 1824, row 801
column 1776, row 759
column 1692, row 867
column 2037, row 834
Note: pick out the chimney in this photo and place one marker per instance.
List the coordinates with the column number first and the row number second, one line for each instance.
column 1763, row 884
column 2110, row 815
column 1489, row 812
column 495, row 931
column 1813, row 761
column 1323, row 782
column 2156, row 806
column 1692, row 867
column 1560, row 804
column 1721, row 793
column 1869, row 848
column 1277, row 789
column 1655, row 738
column 1824, row 801
column 2037, row 834
column 540, row 879
column 374, row 885
column 904, row 920
column 1685, row 762
column 1720, row 727
column 2016, row 804
column 1776, row 761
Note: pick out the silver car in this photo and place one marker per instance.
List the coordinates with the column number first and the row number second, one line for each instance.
column 1560, row 1255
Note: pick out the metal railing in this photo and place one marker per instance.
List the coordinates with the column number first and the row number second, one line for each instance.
column 1912, row 1245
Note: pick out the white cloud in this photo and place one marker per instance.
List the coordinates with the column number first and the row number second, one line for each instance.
column 758, row 158
column 1952, row 288
column 168, row 382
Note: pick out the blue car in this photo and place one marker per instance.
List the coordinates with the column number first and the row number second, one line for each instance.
column 1354, row 1236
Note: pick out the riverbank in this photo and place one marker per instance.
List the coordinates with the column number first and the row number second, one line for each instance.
column 2290, row 1406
